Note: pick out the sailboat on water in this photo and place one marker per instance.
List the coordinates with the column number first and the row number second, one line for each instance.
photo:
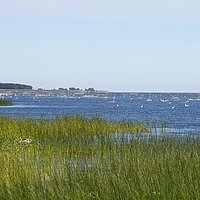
column 149, row 99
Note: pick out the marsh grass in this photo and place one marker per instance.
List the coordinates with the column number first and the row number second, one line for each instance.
column 5, row 103
column 73, row 158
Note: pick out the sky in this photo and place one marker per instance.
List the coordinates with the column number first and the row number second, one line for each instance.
column 129, row 45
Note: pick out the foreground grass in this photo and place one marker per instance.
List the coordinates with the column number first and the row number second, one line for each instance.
column 74, row 158
column 5, row 103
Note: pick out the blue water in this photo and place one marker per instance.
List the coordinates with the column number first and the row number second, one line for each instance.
column 179, row 111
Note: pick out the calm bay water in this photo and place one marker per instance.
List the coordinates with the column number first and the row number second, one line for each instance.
column 179, row 112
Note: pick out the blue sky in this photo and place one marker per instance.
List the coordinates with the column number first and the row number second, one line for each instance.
column 129, row 45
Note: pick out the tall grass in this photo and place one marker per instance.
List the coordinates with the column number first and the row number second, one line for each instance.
column 5, row 103
column 74, row 158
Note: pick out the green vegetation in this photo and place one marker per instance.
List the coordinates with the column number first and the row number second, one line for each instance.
column 14, row 86
column 5, row 103
column 74, row 158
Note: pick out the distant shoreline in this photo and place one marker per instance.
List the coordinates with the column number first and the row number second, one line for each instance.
column 52, row 91
column 95, row 91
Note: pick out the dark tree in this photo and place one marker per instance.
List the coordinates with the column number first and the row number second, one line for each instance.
column 15, row 86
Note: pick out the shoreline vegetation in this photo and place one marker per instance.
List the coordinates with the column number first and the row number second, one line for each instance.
column 5, row 103
column 15, row 86
column 29, row 88
column 44, row 91
column 74, row 158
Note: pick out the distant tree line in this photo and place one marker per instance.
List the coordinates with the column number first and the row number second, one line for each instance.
column 15, row 86
column 90, row 89
column 78, row 89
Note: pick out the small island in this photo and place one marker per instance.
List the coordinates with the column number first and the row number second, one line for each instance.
column 14, row 86
column 5, row 103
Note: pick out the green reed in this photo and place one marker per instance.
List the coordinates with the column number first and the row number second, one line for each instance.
column 74, row 158
column 5, row 103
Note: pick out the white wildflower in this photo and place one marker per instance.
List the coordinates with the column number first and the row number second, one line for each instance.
column 25, row 141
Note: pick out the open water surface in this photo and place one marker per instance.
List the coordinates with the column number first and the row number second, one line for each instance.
column 178, row 112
